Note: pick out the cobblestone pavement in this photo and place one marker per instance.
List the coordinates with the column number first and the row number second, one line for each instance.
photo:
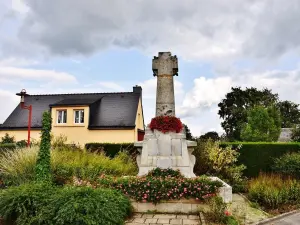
column 160, row 219
column 289, row 220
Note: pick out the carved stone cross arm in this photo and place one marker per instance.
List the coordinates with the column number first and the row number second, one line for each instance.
column 165, row 64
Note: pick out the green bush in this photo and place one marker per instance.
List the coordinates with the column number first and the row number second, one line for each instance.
column 259, row 156
column 111, row 149
column 44, row 204
column 156, row 189
column 84, row 205
column 21, row 144
column 222, row 162
column 164, row 173
column 273, row 191
column 22, row 204
column 7, row 139
column 17, row 167
column 288, row 164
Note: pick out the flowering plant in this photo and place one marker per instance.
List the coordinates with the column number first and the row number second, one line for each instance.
column 166, row 124
column 155, row 189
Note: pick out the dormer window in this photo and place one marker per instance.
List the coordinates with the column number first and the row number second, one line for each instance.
column 79, row 116
column 61, row 116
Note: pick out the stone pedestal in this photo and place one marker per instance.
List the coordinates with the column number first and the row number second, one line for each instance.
column 169, row 150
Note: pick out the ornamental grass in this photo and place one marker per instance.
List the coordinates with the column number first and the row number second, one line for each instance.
column 274, row 191
column 18, row 166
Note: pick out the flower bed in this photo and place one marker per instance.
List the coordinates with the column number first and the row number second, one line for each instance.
column 159, row 188
column 166, row 124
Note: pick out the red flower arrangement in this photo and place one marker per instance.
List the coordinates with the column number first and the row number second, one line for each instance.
column 166, row 124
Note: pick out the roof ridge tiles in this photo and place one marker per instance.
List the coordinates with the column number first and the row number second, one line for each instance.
column 83, row 93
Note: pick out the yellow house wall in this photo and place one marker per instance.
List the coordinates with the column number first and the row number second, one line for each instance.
column 80, row 134
column 21, row 134
column 139, row 121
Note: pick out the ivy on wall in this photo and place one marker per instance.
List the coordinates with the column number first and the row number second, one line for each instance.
column 43, row 166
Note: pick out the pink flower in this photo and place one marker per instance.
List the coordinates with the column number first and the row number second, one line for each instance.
column 227, row 213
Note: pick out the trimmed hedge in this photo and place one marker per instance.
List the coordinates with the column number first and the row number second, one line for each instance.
column 259, row 156
column 110, row 149
column 9, row 146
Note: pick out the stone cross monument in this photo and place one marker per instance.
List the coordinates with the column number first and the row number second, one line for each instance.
column 165, row 66
column 169, row 150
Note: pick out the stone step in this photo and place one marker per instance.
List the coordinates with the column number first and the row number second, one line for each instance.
column 175, row 219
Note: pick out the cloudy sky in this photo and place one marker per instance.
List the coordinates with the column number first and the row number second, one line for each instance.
column 70, row 46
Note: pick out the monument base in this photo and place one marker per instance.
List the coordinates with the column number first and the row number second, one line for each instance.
column 166, row 150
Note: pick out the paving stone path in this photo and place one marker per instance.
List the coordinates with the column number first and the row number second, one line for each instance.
column 288, row 220
column 161, row 219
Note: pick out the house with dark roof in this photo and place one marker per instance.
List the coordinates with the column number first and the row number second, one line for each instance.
column 82, row 118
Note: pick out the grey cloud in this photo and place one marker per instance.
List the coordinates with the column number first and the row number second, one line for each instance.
column 276, row 30
column 83, row 27
column 213, row 30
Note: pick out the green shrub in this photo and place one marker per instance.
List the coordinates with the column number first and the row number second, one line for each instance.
column 222, row 162
column 43, row 164
column 33, row 204
column 21, row 144
column 7, row 139
column 273, row 191
column 84, row 205
column 288, row 164
column 17, row 167
column 259, row 156
column 22, row 204
column 164, row 173
column 111, row 149
column 156, row 189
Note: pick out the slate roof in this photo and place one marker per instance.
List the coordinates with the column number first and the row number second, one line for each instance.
column 107, row 110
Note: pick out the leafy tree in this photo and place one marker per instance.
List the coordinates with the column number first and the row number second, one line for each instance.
column 43, row 166
column 264, row 124
column 188, row 133
column 7, row 139
column 210, row 135
column 233, row 108
column 290, row 113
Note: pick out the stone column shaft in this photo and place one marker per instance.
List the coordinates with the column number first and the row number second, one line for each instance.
column 165, row 66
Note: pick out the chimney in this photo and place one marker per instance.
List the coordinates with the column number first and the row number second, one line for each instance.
column 137, row 89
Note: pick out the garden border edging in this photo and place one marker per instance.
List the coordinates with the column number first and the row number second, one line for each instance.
column 277, row 217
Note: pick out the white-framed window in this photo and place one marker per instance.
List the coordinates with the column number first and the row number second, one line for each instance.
column 61, row 116
column 79, row 116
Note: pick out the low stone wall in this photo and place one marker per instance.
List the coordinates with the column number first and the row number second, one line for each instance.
column 225, row 192
column 173, row 206
column 182, row 205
